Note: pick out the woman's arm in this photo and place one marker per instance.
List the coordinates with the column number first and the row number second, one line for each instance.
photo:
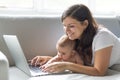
column 101, row 63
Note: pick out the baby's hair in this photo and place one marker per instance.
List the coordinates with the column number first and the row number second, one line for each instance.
column 64, row 41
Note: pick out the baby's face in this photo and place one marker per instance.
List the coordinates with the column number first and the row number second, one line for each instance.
column 64, row 53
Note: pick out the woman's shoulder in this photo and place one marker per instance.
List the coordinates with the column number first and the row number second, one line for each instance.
column 104, row 37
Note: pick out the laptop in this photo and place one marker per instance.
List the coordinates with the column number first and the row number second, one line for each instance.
column 18, row 56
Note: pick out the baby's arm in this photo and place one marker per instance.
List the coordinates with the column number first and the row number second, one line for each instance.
column 54, row 59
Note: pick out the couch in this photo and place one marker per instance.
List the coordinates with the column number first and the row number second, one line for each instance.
column 38, row 35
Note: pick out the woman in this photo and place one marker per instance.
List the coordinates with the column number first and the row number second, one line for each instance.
column 98, row 47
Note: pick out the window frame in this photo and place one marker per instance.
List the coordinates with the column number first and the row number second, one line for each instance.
column 35, row 10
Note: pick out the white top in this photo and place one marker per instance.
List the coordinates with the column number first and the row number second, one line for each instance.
column 105, row 38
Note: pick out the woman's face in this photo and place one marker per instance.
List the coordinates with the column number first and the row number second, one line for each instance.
column 73, row 28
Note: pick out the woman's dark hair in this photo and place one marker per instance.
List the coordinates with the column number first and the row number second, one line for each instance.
column 83, row 45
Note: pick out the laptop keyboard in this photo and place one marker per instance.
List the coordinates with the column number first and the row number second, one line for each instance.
column 35, row 68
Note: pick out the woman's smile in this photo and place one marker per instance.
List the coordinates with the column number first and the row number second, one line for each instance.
column 69, row 34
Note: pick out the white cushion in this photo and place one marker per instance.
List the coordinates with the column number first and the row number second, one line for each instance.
column 111, row 75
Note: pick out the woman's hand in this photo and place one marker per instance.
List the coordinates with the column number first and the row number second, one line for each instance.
column 40, row 60
column 54, row 67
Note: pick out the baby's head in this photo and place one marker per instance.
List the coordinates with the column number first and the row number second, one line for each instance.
column 65, row 47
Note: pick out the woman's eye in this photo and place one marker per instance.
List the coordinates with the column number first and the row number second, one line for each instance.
column 63, row 53
column 71, row 26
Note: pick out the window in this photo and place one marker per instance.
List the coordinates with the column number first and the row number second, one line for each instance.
column 107, row 6
column 57, row 6
column 16, row 4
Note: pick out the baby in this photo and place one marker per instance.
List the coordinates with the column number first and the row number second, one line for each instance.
column 66, row 52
